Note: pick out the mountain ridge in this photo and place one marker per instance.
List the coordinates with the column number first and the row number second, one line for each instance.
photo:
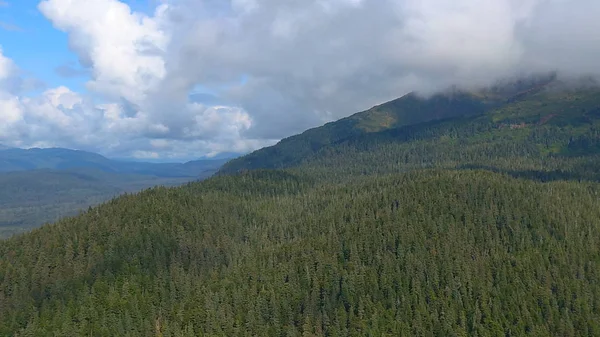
column 60, row 158
column 43, row 185
column 546, row 100
column 29, row 199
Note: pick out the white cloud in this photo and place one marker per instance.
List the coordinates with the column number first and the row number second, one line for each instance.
column 61, row 117
column 7, row 67
column 123, row 49
column 281, row 66
column 10, row 108
column 308, row 61
column 10, row 114
column 127, row 55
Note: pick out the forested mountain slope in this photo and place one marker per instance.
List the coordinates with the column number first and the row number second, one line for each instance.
column 549, row 121
column 407, row 110
column 441, row 253
column 483, row 224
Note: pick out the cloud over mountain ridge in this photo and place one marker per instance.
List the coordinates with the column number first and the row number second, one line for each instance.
column 281, row 66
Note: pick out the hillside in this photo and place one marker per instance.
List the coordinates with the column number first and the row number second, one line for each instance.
column 407, row 110
column 543, row 122
column 477, row 216
column 274, row 254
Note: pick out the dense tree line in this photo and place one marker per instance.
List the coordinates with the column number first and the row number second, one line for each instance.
column 441, row 253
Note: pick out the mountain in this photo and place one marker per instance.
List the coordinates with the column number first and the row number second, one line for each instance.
column 479, row 217
column 64, row 159
column 43, row 185
column 273, row 254
column 548, row 121
column 3, row 147
column 410, row 109
column 29, row 199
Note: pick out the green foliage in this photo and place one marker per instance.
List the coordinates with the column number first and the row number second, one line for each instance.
column 483, row 224
column 271, row 254
column 530, row 129
column 408, row 110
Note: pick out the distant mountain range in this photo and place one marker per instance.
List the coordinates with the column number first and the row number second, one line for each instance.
column 13, row 159
column 44, row 185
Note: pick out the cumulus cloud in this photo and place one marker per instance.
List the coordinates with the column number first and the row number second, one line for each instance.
column 59, row 117
column 122, row 48
column 10, row 112
column 276, row 67
column 124, row 52
column 7, row 67
column 309, row 61
column 296, row 64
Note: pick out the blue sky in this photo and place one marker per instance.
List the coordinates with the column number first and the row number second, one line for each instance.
column 34, row 45
column 40, row 50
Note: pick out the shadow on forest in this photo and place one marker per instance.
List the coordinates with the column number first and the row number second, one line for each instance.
column 537, row 175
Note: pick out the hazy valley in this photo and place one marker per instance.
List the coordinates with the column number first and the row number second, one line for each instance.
column 44, row 185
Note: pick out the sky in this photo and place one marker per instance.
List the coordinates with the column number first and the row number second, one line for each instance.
column 183, row 79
